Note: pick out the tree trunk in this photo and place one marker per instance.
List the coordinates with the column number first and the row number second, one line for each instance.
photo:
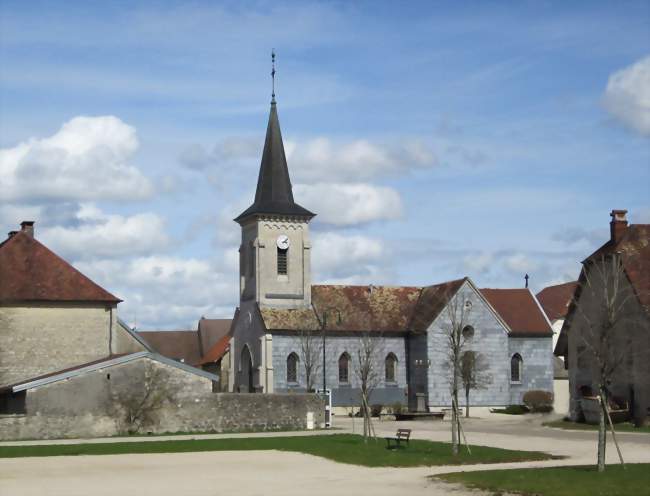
column 466, row 402
column 602, row 433
column 454, row 423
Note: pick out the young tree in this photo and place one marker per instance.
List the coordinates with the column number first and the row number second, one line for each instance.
column 311, row 347
column 602, row 306
column 457, row 311
column 369, row 375
column 473, row 374
column 136, row 400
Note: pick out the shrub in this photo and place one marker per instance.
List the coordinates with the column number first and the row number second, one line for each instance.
column 539, row 401
column 375, row 410
column 397, row 408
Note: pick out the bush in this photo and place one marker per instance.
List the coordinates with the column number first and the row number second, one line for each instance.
column 397, row 408
column 539, row 401
column 375, row 410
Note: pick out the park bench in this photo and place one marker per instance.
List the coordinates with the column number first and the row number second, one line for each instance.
column 401, row 435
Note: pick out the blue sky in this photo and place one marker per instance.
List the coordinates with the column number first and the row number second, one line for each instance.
column 434, row 140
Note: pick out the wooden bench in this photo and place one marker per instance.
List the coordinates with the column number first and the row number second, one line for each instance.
column 401, row 435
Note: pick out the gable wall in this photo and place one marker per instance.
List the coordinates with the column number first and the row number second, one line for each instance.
column 490, row 339
column 36, row 339
column 537, row 373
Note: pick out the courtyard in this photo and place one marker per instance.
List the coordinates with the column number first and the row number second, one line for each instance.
column 255, row 472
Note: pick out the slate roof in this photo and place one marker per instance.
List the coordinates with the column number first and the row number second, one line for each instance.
column 520, row 311
column 555, row 300
column 274, row 194
column 177, row 345
column 432, row 301
column 29, row 271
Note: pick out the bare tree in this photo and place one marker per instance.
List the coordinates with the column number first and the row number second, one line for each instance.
column 603, row 298
column 457, row 310
column 136, row 402
column 473, row 374
column 369, row 375
column 311, row 347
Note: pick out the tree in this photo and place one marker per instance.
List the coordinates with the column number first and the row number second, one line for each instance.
column 473, row 374
column 368, row 373
column 136, row 400
column 602, row 304
column 457, row 311
column 311, row 347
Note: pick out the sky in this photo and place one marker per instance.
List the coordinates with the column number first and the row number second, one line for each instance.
column 434, row 140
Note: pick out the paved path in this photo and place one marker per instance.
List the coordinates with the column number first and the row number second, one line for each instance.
column 253, row 473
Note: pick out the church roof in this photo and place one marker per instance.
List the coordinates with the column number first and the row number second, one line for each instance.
column 274, row 194
column 520, row 310
column 177, row 345
column 555, row 299
column 432, row 301
column 29, row 271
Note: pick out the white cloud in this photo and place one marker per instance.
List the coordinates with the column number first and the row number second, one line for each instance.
column 478, row 263
column 322, row 159
column 87, row 159
column 520, row 263
column 349, row 204
column 101, row 235
column 627, row 96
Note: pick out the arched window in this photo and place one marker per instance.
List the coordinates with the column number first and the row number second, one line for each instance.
column 468, row 332
column 292, row 368
column 516, row 366
column 391, row 366
column 344, row 368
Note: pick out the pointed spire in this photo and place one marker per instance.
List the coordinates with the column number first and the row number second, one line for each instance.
column 274, row 194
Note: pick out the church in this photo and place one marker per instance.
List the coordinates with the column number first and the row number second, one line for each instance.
column 290, row 335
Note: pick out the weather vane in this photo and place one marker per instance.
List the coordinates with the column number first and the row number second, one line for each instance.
column 273, row 75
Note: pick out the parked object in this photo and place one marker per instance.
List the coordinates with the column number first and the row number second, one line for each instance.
column 400, row 435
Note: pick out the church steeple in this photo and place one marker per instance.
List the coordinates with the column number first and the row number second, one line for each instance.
column 274, row 194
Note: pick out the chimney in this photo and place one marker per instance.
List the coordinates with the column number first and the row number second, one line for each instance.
column 618, row 225
column 27, row 226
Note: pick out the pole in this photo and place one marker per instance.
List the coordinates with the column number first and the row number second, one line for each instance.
column 324, row 379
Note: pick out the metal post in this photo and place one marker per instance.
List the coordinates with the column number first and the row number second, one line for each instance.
column 324, row 326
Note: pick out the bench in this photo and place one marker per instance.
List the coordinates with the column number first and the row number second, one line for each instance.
column 401, row 435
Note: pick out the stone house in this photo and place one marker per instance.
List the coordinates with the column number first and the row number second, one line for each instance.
column 280, row 311
column 51, row 315
column 628, row 343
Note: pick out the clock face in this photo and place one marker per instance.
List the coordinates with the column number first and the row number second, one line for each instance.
column 283, row 241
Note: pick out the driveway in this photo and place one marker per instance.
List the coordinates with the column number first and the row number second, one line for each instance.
column 252, row 473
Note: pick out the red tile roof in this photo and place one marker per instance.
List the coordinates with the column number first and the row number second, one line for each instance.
column 211, row 331
column 520, row 310
column 431, row 302
column 555, row 300
column 177, row 345
column 29, row 271
column 217, row 351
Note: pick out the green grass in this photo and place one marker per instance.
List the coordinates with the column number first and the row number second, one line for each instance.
column 560, row 481
column 579, row 426
column 511, row 410
column 344, row 448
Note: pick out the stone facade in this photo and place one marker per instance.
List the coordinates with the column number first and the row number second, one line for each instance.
column 537, row 366
column 91, row 405
column 38, row 338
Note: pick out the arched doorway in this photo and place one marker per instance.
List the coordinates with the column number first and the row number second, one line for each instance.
column 246, row 371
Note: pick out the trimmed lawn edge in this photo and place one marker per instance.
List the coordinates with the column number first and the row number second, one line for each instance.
column 342, row 448
column 567, row 425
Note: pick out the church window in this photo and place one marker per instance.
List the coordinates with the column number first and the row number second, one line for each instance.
column 468, row 332
column 516, row 366
column 344, row 368
column 292, row 368
column 282, row 261
column 391, row 365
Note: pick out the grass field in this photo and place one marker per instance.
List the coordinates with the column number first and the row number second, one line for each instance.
column 578, row 426
column 561, row 481
column 344, row 448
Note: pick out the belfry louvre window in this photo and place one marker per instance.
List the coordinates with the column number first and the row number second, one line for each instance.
column 282, row 261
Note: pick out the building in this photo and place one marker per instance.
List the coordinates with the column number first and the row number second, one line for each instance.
column 51, row 315
column 613, row 299
column 281, row 313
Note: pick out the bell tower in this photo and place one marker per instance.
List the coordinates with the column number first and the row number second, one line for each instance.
column 274, row 255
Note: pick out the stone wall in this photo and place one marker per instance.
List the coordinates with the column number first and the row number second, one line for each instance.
column 347, row 394
column 93, row 405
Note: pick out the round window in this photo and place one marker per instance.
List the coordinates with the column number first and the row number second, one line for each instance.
column 468, row 332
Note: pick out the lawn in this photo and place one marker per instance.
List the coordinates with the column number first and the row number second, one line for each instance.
column 560, row 481
column 344, row 448
column 578, row 426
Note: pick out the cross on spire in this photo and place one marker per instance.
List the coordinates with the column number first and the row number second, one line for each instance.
column 272, row 75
